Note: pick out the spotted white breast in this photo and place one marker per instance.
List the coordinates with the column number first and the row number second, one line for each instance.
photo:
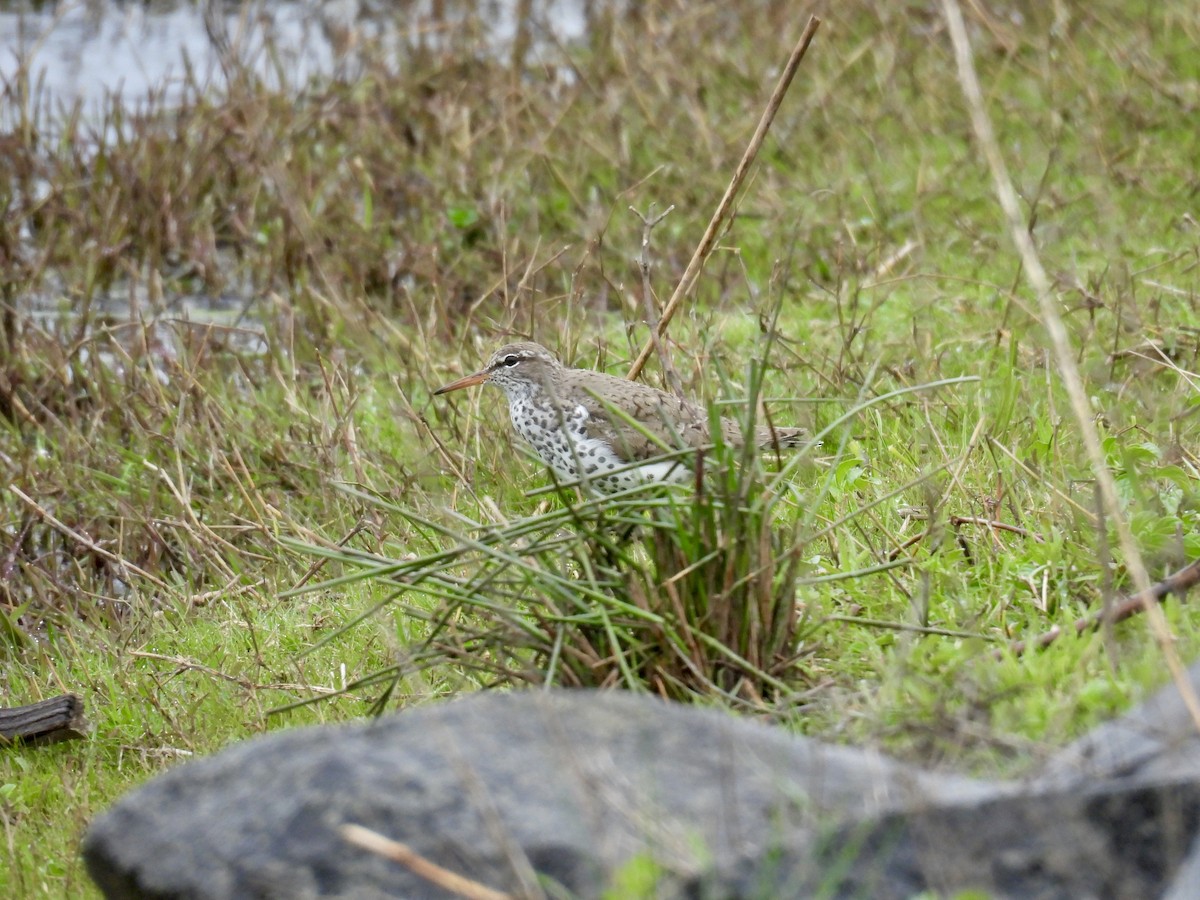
column 566, row 447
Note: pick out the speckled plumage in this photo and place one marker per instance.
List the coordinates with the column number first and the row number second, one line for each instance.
column 576, row 420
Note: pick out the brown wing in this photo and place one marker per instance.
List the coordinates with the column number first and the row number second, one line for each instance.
column 666, row 422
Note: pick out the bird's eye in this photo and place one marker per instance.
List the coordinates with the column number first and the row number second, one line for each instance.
column 511, row 360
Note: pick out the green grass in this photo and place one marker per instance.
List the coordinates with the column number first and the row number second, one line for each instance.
column 213, row 509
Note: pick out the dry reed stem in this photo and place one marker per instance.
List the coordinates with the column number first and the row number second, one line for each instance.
column 705, row 248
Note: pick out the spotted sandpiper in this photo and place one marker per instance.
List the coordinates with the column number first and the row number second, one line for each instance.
column 606, row 432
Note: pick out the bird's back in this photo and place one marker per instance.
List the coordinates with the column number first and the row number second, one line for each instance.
column 665, row 422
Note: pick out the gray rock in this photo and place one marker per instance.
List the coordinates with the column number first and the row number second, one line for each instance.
column 572, row 788
column 1104, row 840
column 496, row 787
column 1186, row 883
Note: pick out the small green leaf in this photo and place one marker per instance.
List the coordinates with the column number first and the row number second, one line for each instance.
column 462, row 217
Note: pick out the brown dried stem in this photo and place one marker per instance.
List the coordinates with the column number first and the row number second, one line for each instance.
column 1039, row 281
column 705, row 248
column 419, row 865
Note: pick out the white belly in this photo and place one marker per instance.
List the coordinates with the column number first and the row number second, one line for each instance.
column 567, row 449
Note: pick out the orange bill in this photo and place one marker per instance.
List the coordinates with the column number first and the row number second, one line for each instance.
column 464, row 382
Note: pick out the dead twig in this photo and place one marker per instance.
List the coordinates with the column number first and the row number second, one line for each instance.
column 921, row 515
column 47, row 722
column 705, row 248
column 956, row 522
column 9, row 564
column 419, row 865
column 321, row 561
column 183, row 664
column 997, row 526
column 46, row 516
column 908, row 626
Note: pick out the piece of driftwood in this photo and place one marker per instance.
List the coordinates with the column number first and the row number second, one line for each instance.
column 57, row 719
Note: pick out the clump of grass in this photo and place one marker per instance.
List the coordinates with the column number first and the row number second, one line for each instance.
column 683, row 593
